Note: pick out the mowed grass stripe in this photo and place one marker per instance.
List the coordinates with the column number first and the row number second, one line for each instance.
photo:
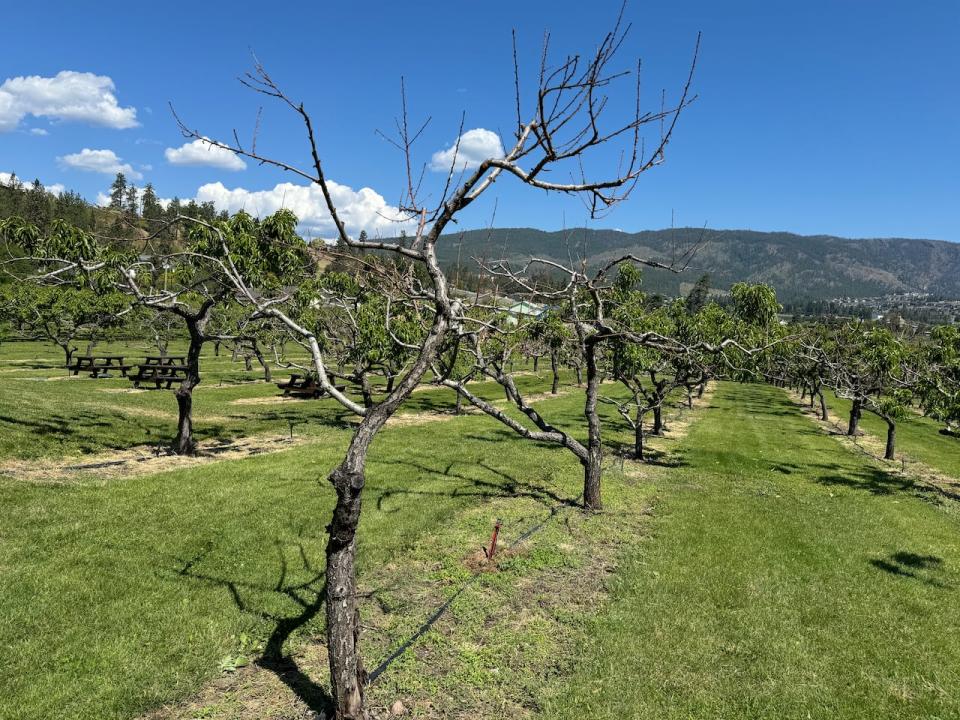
column 917, row 437
column 120, row 597
column 786, row 578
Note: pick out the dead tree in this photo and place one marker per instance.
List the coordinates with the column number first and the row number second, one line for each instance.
column 555, row 129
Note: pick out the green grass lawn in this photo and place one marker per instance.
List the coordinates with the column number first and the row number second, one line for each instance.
column 45, row 415
column 918, row 437
column 786, row 578
column 121, row 596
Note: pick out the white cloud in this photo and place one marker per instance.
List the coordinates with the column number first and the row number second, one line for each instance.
column 201, row 152
column 101, row 161
column 68, row 95
column 38, row 131
column 362, row 209
column 476, row 146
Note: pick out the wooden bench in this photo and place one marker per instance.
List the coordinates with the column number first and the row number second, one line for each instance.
column 159, row 373
column 99, row 365
column 302, row 386
column 165, row 360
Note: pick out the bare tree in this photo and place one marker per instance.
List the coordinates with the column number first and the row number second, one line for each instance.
column 555, row 130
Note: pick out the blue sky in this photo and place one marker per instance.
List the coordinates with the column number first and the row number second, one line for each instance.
column 834, row 117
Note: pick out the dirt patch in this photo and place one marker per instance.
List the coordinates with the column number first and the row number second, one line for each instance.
column 875, row 447
column 123, row 391
column 535, row 397
column 429, row 416
column 140, row 460
column 478, row 562
column 678, row 420
column 271, row 400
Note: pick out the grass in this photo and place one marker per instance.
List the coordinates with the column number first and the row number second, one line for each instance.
column 917, row 437
column 45, row 415
column 785, row 578
column 131, row 593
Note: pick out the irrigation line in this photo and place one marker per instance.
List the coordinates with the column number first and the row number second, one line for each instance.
column 442, row 609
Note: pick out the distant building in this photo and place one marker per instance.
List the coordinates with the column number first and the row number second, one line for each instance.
column 524, row 310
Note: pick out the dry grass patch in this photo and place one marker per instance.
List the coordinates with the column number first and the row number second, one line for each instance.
column 874, row 447
column 140, row 460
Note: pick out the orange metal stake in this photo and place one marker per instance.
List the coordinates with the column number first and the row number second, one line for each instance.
column 493, row 541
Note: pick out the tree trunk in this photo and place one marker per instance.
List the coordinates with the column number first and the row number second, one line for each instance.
column 592, row 465
column 823, row 405
column 366, row 391
column 390, row 380
column 267, row 374
column 657, row 420
column 68, row 353
column 216, row 348
column 347, row 675
column 458, row 410
column 579, row 375
column 638, row 437
column 855, row 409
column 536, row 361
column 700, row 389
column 247, row 363
column 183, row 444
column 556, row 373
column 891, row 439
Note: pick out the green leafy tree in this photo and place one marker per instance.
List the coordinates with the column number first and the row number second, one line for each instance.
column 62, row 315
column 873, row 368
column 131, row 202
column 699, row 295
column 118, row 192
column 151, row 210
column 939, row 375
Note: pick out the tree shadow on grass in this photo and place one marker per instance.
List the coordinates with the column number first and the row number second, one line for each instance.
column 872, row 479
column 621, row 451
column 510, row 487
column 911, row 565
column 308, row 599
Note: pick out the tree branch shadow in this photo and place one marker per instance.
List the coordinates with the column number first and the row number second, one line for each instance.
column 511, row 487
column 307, row 596
column 911, row 565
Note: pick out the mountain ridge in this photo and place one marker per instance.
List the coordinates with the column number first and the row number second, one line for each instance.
column 798, row 266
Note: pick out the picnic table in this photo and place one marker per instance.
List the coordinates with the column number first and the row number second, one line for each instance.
column 99, row 365
column 159, row 373
column 164, row 359
column 304, row 386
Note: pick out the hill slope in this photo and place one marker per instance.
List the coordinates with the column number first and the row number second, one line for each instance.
column 816, row 266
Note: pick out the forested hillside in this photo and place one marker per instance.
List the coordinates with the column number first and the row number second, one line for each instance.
column 798, row 266
column 130, row 210
column 814, row 267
